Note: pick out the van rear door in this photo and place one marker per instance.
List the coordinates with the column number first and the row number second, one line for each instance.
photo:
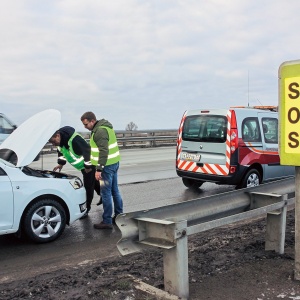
column 203, row 145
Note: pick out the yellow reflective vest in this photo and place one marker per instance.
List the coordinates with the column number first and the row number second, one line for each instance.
column 113, row 148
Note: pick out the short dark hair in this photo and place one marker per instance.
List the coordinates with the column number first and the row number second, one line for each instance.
column 54, row 134
column 88, row 116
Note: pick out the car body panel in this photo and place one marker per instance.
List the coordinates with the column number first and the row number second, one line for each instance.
column 6, row 201
column 19, row 190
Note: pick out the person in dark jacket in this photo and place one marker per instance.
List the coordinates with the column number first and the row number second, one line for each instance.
column 105, row 156
column 73, row 148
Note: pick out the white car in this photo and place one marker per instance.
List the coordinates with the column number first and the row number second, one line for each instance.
column 37, row 203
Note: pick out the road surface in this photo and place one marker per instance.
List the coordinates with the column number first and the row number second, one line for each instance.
column 147, row 180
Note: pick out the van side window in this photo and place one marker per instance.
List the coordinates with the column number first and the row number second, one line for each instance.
column 205, row 128
column 250, row 130
column 270, row 130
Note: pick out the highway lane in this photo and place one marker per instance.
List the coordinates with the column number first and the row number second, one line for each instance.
column 137, row 165
column 147, row 180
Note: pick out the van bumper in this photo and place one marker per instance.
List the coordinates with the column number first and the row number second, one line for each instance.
column 231, row 179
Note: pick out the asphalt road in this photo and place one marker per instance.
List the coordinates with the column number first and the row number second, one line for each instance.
column 147, row 180
column 137, row 165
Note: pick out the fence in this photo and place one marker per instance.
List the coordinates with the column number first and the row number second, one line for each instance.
column 136, row 138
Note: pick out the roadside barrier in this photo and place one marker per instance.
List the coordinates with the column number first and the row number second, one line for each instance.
column 135, row 138
column 168, row 227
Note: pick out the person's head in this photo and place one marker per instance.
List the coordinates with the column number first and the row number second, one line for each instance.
column 88, row 120
column 55, row 138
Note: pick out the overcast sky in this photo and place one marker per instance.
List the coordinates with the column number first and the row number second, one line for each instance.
column 142, row 61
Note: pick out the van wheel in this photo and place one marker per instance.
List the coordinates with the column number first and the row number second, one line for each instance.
column 193, row 184
column 252, row 178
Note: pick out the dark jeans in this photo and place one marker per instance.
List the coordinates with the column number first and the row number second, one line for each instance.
column 89, row 183
column 111, row 197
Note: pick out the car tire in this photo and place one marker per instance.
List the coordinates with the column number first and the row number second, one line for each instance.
column 252, row 178
column 44, row 221
column 191, row 183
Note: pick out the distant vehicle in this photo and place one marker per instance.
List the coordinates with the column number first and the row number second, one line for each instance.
column 235, row 146
column 6, row 127
column 37, row 203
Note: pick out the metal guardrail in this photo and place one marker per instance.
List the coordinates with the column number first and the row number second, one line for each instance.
column 135, row 138
column 147, row 138
column 168, row 227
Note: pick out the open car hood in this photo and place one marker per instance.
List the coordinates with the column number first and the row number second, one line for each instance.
column 31, row 136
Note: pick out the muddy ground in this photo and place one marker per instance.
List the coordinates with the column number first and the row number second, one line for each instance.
column 225, row 263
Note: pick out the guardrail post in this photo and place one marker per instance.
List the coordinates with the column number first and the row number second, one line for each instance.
column 172, row 237
column 176, row 277
column 124, row 142
column 154, row 141
column 276, row 220
column 275, row 232
column 297, row 224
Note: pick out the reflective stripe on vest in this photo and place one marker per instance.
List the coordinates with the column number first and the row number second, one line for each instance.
column 113, row 149
column 75, row 160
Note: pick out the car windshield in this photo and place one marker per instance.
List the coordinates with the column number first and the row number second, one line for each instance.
column 205, row 128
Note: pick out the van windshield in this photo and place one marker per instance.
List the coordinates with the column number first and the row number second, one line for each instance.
column 205, row 128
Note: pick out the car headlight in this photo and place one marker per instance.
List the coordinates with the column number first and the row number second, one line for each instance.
column 76, row 183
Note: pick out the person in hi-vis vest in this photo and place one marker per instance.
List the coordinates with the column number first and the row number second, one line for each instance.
column 73, row 148
column 105, row 156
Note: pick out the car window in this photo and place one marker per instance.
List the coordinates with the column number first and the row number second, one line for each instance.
column 270, row 130
column 208, row 128
column 250, row 130
column 5, row 126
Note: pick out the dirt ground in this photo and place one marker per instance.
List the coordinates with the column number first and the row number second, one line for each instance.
column 224, row 263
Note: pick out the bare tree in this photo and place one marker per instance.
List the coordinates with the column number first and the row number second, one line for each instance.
column 131, row 126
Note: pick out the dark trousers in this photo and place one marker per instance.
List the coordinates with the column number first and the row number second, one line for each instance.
column 90, row 184
column 97, row 187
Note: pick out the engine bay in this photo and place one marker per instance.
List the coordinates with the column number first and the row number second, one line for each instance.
column 45, row 173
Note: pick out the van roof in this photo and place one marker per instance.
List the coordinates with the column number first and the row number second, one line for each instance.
column 263, row 107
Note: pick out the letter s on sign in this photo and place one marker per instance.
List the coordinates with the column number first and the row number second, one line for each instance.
column 293, row 88
column 293, row 138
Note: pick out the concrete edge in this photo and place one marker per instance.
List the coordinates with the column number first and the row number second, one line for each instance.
column 153, row 291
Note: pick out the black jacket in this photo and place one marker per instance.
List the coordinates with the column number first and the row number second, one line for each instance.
column 80, row 146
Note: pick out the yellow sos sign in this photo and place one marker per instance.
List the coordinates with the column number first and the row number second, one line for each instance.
column 289, row 113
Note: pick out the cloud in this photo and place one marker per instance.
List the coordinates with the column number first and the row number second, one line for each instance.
column 142, row 61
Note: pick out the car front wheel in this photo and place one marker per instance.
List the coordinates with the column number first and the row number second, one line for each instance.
column 44, row 221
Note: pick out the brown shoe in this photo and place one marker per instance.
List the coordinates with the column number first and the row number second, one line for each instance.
column 103, row 226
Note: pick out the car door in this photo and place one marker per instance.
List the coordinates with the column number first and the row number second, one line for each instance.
column 6, row 202
column 269, row 128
